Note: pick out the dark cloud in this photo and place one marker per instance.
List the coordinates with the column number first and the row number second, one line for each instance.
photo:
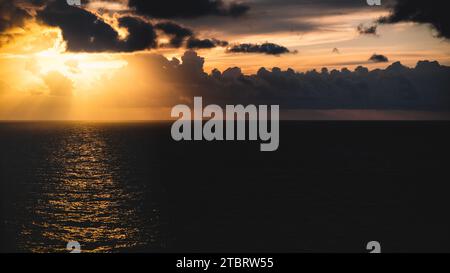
column 236, row 10
column 424, row 87
column 266, row 48
column 11, row 15
column 273, row 16
column 336, row 4
column 141, row 35
column 377, row 58
column 181, row 34
column 86, row 32
column 434, row 13
column 195, row 43
column 367, row 30
column 177, row 32
column 82, row 30
column 187, row 9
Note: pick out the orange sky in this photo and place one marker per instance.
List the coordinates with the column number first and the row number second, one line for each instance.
column 35, row 66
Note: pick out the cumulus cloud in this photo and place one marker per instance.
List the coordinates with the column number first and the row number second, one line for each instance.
column 266, row 48
column 86, row 32
column 434, row 13
column 58, row 84
column 378, row 58
column 424, row 87
column 187, row 9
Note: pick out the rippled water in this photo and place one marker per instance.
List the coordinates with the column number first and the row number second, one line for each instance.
column 331, row 187
column 79, row 188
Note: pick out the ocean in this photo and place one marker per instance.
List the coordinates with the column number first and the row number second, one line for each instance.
column 128, row 187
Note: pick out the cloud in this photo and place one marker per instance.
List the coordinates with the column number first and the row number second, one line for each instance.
column 11, row 15
column 266, row 48
column 58, row 84
column 296, row 16
column 334, row 4
column 178, row 33
column 187, row 9
column 377, row 58
column 194, row 43
column 434, row 13
column 424, row 87
column 367, row 30
column 141, row 35
column 184, row 36
column 86, row 32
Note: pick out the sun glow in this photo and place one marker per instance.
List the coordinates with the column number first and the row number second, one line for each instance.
column 50, row 55
column 40, row 79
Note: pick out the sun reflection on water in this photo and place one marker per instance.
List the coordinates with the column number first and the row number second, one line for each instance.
column 83, row 197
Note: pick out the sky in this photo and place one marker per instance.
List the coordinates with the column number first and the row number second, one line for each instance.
column 136, row 59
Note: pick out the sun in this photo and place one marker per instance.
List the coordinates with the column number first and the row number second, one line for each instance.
column 38, row 50
column 83, row 69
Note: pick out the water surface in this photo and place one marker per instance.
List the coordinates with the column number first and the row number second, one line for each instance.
column 127, row 187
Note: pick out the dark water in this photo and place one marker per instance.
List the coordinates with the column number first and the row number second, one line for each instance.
column 331, row 187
